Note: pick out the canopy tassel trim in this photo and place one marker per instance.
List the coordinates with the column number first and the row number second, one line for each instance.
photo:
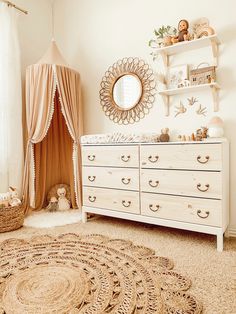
column 75, row 143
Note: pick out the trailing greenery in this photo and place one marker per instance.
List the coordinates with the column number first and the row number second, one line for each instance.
column 160, row 34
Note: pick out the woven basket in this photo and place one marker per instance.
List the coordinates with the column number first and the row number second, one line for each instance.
column 11, row 218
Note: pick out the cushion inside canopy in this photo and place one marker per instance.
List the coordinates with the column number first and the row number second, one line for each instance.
column 53, row 162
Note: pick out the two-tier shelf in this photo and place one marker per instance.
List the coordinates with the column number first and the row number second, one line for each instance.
column 167, row 52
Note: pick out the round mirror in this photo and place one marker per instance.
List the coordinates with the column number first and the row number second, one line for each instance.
column 127, row 91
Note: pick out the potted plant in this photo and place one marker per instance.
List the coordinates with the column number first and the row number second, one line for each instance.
column 163, row 37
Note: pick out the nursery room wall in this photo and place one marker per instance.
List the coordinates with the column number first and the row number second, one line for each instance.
column 34, row 36
column 34, row 30
column 94, row 34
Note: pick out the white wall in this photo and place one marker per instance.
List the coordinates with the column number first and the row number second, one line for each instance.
column 34, row 30
column 94, row 34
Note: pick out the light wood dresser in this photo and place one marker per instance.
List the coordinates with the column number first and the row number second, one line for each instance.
column 178, row 184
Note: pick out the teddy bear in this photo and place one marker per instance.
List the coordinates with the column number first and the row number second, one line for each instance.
column 63, row 202
column 183, row 32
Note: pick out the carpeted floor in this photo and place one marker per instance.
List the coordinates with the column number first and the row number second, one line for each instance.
column 213, row 274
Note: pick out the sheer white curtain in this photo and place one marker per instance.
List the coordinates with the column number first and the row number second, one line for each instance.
column 11, row 138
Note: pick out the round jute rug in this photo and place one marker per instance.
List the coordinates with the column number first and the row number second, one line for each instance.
column 89, row 274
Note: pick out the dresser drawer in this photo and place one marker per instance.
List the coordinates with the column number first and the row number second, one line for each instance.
column 179, row 182
column 185, row 209
column 118, row 178
column 124, row 201
column 182, row 156
column 114, row 156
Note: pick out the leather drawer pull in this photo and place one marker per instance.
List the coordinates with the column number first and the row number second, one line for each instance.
column 203, row 161
column 91, row 157
column 153, row 159
column 91, row 178
column 92, row 199
column 126, row 180
column 126, row 203
column 157, row 207
column 153, row 185
column 207, row 213
column 203, row 190
column 125, row 158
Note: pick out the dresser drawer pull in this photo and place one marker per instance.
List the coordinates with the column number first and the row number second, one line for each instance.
column 153, row 159
column 153, row 185
column 207, row 213
column 91, row 157
column 203, row 190
column 126, row 180
column 125, row 158
column 126, row 203
column 155, row 209
column 91, row 178
column 92, row 199
column 203, row 161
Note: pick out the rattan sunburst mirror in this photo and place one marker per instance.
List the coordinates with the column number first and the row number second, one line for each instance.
column 128, row 90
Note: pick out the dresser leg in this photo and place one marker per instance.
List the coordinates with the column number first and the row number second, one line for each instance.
column 84, row 217
column 220, row 242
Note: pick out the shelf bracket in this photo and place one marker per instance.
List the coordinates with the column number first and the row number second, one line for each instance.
column 165, row 59
column 215, row 51
column 215, row 96
column 166, row 100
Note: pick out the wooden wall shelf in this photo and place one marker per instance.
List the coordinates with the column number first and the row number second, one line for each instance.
column 213, row 87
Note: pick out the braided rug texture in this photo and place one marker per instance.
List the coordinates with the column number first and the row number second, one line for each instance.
column 89, row 274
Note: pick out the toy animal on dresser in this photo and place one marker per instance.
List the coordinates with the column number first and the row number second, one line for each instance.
column 63, row 202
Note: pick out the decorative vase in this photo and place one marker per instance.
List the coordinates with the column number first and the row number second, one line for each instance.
column 167, row 41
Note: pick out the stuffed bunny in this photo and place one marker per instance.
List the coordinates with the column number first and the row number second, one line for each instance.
column 14, row 197
column 63, row 202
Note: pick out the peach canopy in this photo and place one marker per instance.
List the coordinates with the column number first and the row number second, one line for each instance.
column 44, row 83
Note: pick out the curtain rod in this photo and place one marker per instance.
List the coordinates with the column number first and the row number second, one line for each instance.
column 10, row 4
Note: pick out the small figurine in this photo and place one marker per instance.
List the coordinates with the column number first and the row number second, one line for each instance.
column 201, row 133
column 183, row 32
column 53, row 204
column 193, row 137
column 204, row 132
column 164, row 137
column 63, row 202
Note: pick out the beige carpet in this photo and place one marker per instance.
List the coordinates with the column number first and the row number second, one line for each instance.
column 194, row 255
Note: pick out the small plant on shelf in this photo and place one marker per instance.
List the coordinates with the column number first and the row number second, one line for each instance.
column 162, row 38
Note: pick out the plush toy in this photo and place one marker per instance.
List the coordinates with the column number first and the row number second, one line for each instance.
column 53, row 204
column 14, row 197
column 10, row 198
column 183, row 32
column 164, row 137
column 63, row 202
